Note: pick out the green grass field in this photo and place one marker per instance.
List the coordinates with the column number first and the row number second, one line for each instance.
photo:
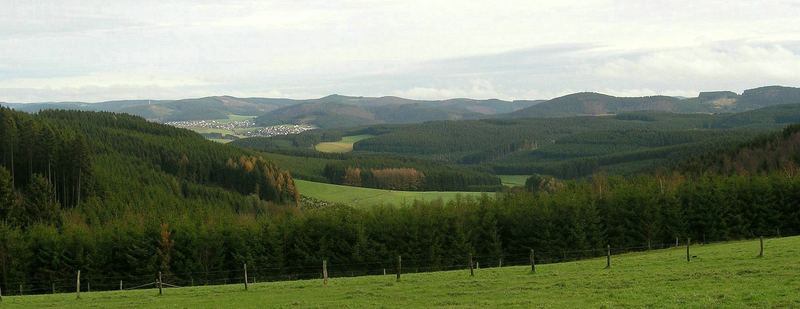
column 727, row 275
column 513, row 180
column 344, row 145
column 365, row 197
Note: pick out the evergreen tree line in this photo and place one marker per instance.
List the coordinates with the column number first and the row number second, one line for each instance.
column 573, row 219
column 772, row 153
column 178, row 152
column 52, row 165
column 407, row 174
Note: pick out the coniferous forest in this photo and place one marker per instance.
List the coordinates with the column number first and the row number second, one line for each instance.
column 120, row 198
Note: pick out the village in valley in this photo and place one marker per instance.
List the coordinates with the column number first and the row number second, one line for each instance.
column 231, row 130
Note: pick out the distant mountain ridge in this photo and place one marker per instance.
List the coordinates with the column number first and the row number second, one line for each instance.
column 339, row 111
column 591, row 103
column 330, row 111
column 336, row 111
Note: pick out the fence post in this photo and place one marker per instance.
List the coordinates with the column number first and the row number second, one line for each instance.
column 688, row 243
column 53, row 287
column 88, row 286
column 471, row 270
column 761, row 253
column 399, row 266
column 500, row 263
column 325, row 272
column 533, row 262
column 120, row 285
column 384, row 271
column 160, row 287
column 78, row 285
column 1, row 294
column 20, row 289
column 676, row 241
column 245, row 276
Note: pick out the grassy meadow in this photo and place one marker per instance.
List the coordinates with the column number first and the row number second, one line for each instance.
column 344, row 145
column 727, row 275
column 513, row 180
column 365, row 197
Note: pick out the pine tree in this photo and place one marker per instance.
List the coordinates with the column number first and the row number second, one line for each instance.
column 6, row 194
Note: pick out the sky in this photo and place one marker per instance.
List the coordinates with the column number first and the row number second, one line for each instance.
column 92, row 51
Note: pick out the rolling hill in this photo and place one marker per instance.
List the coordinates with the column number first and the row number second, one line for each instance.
column 568, row 147
column 590, row 103
column 217, row 107
column 326, row 112
column 336, row 111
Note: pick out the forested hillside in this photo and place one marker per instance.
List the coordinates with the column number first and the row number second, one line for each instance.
column 69, row 177
column 590, row 103
column 383, row 171
column 570, row 147
column 336, row 111
column 574, row 146
column 157, row 198
column 773, row 153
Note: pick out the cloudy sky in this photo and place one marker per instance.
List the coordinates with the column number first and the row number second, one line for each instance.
column 102, row 50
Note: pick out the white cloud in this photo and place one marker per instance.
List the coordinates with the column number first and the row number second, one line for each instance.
column 420, row 48
column 478, row 89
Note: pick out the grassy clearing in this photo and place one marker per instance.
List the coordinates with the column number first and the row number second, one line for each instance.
column 344, row 145
column 513, row 180
column 725, row 275
column 365, row 197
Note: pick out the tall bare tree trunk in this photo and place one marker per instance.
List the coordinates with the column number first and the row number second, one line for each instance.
column 79, row 187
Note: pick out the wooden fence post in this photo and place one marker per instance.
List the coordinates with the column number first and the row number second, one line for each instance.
column 120, row 285
column 533, row 261
column 20, row 289
column 761, row 253
column 245, row 276
column 384, row 271
column 500, row 263
column 1, row 294
column 399, row 266
column 471, row 270
column 608, row 256
column 78, row 285
column 88, row 286
column 325, row 272
column 688, row 243
column 160, row 287
column 676, row 241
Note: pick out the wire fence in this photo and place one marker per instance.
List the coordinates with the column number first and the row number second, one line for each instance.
column 411, row 263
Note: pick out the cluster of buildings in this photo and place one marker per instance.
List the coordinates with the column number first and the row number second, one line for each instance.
column 213, row 124
column 284, row 129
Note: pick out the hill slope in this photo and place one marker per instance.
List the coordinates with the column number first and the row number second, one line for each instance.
column 589, row 103
column 721, row 275
column 338, row 111
column 567, row 147
column 779, row 152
